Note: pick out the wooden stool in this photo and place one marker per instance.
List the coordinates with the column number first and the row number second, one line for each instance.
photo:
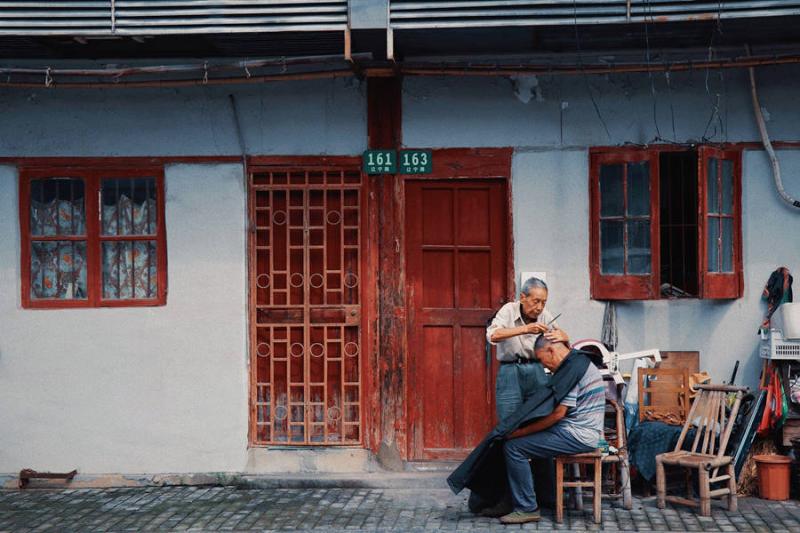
column 595, row 459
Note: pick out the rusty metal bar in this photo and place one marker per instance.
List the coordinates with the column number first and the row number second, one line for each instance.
column 437, row 69
column 26, row 474
column 570, row 70
column 184, row 68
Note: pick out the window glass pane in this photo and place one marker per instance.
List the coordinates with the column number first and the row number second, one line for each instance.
column 611, row 256
column 713, row 244
column 712, row 191
column 129, row 206
column 638, row 247
column 58, row 270
column 611, row 200
column 639, row 188
column 57, row 207
column 129, row 270
column 727, row 245
column 727, row 186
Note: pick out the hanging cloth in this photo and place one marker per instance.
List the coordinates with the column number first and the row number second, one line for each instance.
column 609, row 334
column 776, row 407
column 777, row 291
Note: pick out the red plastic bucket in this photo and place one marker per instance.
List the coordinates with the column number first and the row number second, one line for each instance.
column 773, row 476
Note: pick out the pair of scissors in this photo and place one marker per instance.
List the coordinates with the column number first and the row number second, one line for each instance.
column 554, row 319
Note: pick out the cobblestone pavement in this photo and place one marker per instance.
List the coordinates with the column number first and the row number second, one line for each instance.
column 351, row 510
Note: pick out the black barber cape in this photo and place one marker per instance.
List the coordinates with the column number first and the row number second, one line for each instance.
column 484, row 470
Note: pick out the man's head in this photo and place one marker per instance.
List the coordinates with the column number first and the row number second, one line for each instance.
column 550, row 353
column 533, row 297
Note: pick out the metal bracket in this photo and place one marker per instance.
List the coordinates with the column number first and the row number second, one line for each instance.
column 26, row 474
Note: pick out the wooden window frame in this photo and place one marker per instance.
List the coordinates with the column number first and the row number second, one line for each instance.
column 91, row 176
column 729, row 285
column 624, row 286
column 719, row 285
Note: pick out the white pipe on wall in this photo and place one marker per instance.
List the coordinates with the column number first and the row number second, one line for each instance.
column 762, row 128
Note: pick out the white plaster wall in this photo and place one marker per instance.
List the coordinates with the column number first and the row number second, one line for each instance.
column 550, row 188
column 164, row 389
column 287, row 118
column 451, row 112
column 136, row 390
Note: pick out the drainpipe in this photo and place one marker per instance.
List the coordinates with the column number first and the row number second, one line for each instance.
column 762, row 128
column 250, row 224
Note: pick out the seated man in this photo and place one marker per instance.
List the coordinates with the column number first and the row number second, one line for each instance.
column 574, row 426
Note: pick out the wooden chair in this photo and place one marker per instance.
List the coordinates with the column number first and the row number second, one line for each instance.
column 616, row 437
column 707, row 454
column 663, row 394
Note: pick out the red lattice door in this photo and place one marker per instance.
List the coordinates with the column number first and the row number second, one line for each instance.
column 305, row 306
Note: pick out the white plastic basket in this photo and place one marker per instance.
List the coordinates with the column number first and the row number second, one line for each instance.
column 787, row 319
column 773, row 346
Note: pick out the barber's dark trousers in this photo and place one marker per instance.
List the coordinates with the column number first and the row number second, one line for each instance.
column 515, row 383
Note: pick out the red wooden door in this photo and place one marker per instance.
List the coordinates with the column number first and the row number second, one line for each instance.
column 456, row 255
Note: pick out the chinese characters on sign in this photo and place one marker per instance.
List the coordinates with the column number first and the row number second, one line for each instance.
column 415, row 162
column 385, row 162
column 380, row 162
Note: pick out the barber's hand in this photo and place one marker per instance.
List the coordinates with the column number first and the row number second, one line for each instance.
column 557, row 335
column 535, row 328
column 513, row 435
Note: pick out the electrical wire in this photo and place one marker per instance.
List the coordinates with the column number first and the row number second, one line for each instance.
column 671, row 106
column 717, row 29
column 585, row 78
column 650, row 73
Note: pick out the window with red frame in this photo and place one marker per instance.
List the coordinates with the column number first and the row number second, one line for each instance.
column 665, row 223
column 92, row 237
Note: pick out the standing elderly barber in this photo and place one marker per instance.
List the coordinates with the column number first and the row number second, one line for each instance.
column 514, row 331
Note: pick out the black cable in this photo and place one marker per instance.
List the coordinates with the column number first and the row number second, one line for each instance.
column 648, row 9
column 671, row 106
column 714, row 104
column 585, row 78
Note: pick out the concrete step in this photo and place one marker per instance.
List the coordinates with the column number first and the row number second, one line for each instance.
column 373, row 480
column 318, row 480
column 431, row 466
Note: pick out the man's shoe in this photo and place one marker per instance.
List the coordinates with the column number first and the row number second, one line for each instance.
column 501, row 508
column 518, row 517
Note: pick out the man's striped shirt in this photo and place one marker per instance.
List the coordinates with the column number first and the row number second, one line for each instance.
column 586, row 404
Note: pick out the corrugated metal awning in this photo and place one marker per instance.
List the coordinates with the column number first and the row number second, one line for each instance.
column 163, row 17
column 420, row 14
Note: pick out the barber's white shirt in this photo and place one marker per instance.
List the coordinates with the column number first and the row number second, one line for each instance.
column 510, row 316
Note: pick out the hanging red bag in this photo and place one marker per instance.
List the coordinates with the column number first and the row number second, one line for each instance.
column 771, row 405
